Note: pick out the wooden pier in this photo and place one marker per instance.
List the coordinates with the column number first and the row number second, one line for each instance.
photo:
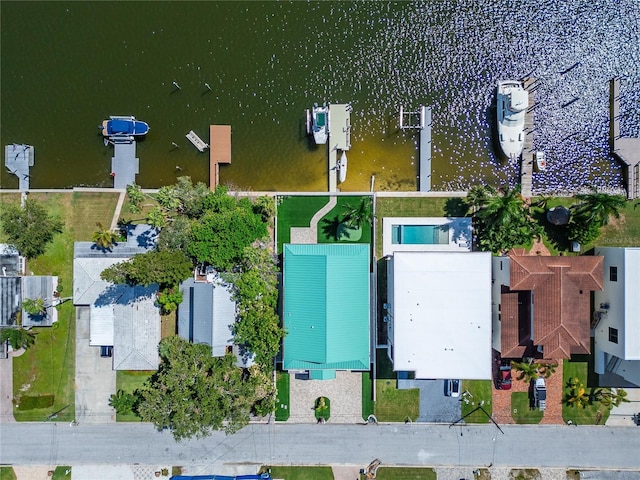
column 18, row 158
column 626, row 149
column 197, row 141
column 220, row 152
column 526, row 159
column 124, row 164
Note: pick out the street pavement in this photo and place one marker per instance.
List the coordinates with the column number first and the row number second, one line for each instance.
column 597, row 447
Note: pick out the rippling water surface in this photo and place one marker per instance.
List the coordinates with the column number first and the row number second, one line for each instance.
column 68, row 65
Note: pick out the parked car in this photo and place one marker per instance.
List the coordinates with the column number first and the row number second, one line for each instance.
column 505, row 377
column 452, row 388
column 540, row 394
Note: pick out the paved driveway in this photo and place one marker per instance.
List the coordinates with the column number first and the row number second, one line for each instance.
column 95, row 378
column 435, row 406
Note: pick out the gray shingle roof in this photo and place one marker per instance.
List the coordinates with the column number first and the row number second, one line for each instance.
column 10, row 297
column 36, row 286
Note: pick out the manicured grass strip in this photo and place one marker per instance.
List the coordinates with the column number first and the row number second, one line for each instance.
column 581, row 416
column 282, row 400
column 405, row 473
column 393, row 405
column 90, row 208
column 480, row 390
column 367, row 395
column 130, row 381
column 7, row 473
column 522, row 411
column 329, row 225
column 62, row 473
column 33, row 402
column 301, row 473
column 296, row 211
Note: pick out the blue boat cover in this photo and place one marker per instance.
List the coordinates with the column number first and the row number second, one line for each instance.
column 126, row 127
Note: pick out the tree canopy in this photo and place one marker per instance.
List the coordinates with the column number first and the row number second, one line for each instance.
column 17, row 337
column 167, row 268
column 29, row 228
column 194, row 393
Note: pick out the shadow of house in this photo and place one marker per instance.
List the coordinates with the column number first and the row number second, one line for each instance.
column 124, row 317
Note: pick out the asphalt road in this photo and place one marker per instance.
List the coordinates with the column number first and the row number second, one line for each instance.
column 414, row 444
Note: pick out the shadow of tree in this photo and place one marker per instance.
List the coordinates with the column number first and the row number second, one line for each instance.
column 558, row 235
column 456, row 207
column 335, row 228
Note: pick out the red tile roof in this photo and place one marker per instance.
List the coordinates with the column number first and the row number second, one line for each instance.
column 560, row 290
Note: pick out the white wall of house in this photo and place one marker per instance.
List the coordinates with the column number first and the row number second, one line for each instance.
column 620, row 303
column 500, row 275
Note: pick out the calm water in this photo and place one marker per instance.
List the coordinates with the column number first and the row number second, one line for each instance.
column 68, row 65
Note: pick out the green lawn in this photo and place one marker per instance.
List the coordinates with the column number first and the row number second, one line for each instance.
column 90, row 208
column 405, row 473
column 301, row 473
column 521, row 409
column 282, row 401
column 415, row 207
column 480, row 390
column 7, row 473
column 330, row 224
column 368, row 406
column 129, row 381
column 581, row 416
column 60, row 473
column 296, row 211
column 393, row 405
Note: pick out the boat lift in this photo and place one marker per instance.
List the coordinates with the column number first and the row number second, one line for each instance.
column 413, row 120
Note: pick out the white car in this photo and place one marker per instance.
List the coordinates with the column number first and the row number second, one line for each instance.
column 452, row 388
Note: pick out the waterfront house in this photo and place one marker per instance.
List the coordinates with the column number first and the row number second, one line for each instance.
column 617, row 318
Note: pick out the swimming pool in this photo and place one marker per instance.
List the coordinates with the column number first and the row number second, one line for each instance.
column 420, row 234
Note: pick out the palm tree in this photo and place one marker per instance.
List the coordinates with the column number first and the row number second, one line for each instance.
column 104, row 238
column 478, row 195
column 576, row 396
column 122, row 402
column 598, row 207
column 609, row 397
column 527, row 371
column 34, row 307
column 17, row 337
column 546, row 369
column 360, row 214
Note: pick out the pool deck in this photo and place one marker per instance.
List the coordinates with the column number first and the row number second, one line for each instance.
column 460, row 235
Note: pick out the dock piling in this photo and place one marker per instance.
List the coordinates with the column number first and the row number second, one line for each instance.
column 175, row 84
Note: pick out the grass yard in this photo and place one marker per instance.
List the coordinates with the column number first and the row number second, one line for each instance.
column 301, row 473
column 521, row 410
column 330, row 224
column 624, row 231
column 581, row 416
column 282, row 401
column 129, row 381
column 480, row 390
column 296, row 211
column 62, row 473
column 168, row 325
column 368, row 406
column 89, row 209
column 405, row 473
column 7, row 473
column 393, row 405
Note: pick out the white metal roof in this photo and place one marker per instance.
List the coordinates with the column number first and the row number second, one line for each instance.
column 441, row 313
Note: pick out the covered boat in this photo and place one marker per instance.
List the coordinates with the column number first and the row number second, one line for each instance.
column 124, row 126
column 541, row 162
column 320, row 121
column 512, row 103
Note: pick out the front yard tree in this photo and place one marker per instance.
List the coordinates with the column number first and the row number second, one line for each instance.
column 360, row 214
column 17, row 337
column 104, row 238
column 29, row 228
column 34, row 306
column 194, row 393
column 167, row 268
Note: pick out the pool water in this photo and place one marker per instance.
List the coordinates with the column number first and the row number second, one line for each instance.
column 420, row 234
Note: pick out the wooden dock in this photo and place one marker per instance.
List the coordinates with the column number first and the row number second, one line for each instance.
column 626, row 149
column 220, row 152
column 18, row 158
column 124, row 164
column 197, row 141
column 526, row 159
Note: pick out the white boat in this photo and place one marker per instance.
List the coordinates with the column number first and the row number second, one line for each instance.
column 512, row 103
column 342, row 167
column 541, row 162
column 319, row 124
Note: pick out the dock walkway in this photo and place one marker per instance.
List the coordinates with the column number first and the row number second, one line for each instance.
column 124, row 164
column 526, row 163
column 425, row 150
column 18, row 158
column 626, row 149
column 339, row 139
column 220, row 152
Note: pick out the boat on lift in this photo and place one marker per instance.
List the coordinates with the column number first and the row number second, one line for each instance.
column 512, row 102
column 123, row 126
column 541, row 162
column 318, row 123
column 342, row 167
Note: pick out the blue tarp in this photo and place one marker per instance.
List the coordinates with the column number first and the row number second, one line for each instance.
column 126, row 127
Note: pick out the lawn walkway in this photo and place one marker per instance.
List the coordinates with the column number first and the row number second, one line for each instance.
column 310, row 234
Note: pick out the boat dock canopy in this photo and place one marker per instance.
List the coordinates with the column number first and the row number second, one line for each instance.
column 220, row 151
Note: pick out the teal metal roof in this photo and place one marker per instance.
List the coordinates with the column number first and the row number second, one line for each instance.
column 326, row 307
